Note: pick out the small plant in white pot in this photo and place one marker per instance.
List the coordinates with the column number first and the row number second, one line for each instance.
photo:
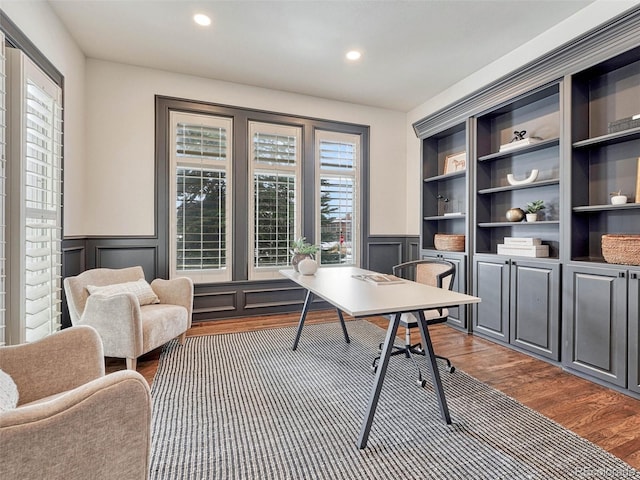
column 301, row 250
column 617, row 198
column 532, row 210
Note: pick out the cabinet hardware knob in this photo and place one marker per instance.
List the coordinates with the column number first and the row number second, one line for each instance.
column 621, row 274
column 634, row 276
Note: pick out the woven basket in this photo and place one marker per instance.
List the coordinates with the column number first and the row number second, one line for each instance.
column 621, row 249
column 449, row 242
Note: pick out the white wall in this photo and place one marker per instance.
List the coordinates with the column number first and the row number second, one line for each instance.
column 119, row 177
column 38, row 22
column 582, row 21
column 109, row 132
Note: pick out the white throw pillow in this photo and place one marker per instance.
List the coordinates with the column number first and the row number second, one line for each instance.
column 141, row 289
column 8, row 392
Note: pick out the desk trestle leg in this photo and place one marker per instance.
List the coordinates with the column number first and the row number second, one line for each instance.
column 344, row 326
column 433, row 364
column 377, row 385
column 303, row 316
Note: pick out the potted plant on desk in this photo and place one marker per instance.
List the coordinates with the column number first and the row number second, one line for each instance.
column 532, row 210
column 301, row 250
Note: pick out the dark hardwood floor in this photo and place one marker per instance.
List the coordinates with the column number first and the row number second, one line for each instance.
column 603, row 416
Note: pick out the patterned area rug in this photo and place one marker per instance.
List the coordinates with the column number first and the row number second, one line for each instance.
column 245, row 406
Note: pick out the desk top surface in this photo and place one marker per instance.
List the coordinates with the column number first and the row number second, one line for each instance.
column 360, row 298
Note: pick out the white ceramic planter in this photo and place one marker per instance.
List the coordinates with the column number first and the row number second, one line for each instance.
column 618, row 199
column 308, row 266
column 532, row 217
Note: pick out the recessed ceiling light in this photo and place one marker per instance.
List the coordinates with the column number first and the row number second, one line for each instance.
column 202, row 19
column 353, row 55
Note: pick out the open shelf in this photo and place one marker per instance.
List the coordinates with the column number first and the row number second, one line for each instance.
column 447, row 176
column 519, row 224
column 600, row 208
column 507, row 188
column 609, row 139
column 552, row 142
column 446, row 217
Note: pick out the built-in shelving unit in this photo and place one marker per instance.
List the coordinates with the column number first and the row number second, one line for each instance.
column 537, row 113
column 604, row 162
column 600, row 300
column 444, row 195
column 445, row 203
column 572, row 307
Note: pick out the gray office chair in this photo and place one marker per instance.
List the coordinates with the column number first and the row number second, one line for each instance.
column 437, row 273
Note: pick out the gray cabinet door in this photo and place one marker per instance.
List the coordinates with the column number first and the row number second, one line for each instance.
column 634, row 331
column 458, row 315
column 535, row 308
column 595, row 322
column 491, row 284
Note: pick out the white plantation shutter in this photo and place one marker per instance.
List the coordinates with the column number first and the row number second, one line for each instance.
column 35, row 173
column 338, row 159
column 201, row 220
column 274, row 196
column 3, row 118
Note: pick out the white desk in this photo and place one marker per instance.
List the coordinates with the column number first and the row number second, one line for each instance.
column 361, row 299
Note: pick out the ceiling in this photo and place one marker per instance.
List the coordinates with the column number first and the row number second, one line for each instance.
column 411, row 50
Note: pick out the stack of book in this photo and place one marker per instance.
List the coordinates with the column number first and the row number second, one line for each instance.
column 523, row 247
column 624, row 124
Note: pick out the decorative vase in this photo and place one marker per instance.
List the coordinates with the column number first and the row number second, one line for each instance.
column 532, row 217
column 515, row 214
column 307, row 266
column 297, row 258
column 532, row 176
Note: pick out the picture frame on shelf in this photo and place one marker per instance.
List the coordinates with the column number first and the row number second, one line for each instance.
column 455, row 162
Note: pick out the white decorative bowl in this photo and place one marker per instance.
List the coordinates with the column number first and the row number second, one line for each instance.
column 618, row 199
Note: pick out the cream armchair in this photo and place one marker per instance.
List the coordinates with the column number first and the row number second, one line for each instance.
column 134, row 319
column 71, row 421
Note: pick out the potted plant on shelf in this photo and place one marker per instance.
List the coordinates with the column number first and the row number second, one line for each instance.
column 532, row 210
column 301, row 250
column 617, row 198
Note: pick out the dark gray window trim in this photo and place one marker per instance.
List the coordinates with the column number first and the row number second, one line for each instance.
column 618, row 35
column 16, row 39
column 241, row 117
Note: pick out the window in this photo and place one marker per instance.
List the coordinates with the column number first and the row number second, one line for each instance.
column 35, row 149
column 286, row 176
column 338, row 159
column 200, row 223
column 274, row 196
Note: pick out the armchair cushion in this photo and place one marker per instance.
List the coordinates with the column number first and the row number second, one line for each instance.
column 160, row 322
column 140, row 288
column 8, row 392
